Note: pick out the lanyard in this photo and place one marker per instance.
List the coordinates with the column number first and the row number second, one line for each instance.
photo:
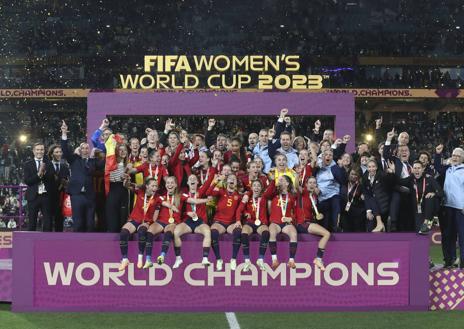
column 283, row 206
column 313, row 203
column 151, row 172
column 145, row 203
column 203, row 180
column 256, row 205
column 417, row 192
column 170, row 201
column 194, row 206
column 354, row 193
column 303, row 177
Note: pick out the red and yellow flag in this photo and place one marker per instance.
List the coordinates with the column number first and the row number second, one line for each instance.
column 111, row 163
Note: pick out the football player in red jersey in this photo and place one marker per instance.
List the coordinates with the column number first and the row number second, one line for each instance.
column 194, row 218
column 225, row 219
column 153, row 168
column 254, row 209
column 282, row 216
column 169, row 215
column 253, row 174
column 308, row 216
column 139, row 220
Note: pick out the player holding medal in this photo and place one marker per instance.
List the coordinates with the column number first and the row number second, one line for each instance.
column 283, row 204
column 254, row 208
column 308, row 218
column 194, row 218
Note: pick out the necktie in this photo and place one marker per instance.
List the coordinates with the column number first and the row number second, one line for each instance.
column 38, row 164
column 57, row 167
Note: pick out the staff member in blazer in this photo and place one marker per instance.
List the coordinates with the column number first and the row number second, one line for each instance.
column 60, row 171
column 80, row 185
column 423, row 197
column 38, row 180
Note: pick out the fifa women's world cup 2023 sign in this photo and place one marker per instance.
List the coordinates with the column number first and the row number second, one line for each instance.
column 280, row 72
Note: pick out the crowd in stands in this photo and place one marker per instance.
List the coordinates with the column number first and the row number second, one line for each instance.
column 93, row 42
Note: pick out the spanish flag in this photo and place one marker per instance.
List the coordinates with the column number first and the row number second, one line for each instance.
column 110, row 163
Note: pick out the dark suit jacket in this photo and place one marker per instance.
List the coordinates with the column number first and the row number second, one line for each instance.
column 82, row 172
column 33, row 181
column 60, row 178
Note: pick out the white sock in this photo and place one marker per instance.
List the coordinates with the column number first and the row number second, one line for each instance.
column 274, row 257
column 124, row 259
column 140, row 258
column 291, row 259
column 247, row 260
column 178, row 258
column 205, row 258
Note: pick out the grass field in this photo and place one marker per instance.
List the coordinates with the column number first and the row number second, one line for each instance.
column 371, row 320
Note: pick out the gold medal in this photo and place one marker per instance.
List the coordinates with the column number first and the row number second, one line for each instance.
column 257, row 222
column 171, row 220
column 319, row 216
column 195, row 217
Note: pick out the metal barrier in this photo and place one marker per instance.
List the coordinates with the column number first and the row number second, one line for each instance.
column 13, row 207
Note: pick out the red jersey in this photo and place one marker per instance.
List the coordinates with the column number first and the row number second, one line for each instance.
column 305, row 210
column 246, row 183
column 165, row 213
column 204, row 174
column 227, row 204
column 200, row 209
column 144, row 207
column 252, row 208
column 158, row 172
column 304, row 174
column 279, row 203
column 181, row 169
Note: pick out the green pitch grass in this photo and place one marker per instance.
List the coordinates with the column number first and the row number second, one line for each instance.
column 338, row 320
column 371, row 320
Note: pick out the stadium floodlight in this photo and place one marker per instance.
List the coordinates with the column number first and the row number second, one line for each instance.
column 23, row 138
column 369, row 138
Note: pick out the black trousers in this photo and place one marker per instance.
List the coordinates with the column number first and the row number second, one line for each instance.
column 354, row 220
column 42, row 203
column 428, row 211
column 116, row 207
column 83, row 213
column 56, row 211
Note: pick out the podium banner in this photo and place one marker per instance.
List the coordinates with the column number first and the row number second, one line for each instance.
column 79, row 272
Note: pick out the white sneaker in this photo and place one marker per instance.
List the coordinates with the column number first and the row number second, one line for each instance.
column 260, row 263
column 178, row 262
column 140, row 261
column 233, row 264
column 246, row 268
column 123, row 265
column 205, row 262
column 219, row 264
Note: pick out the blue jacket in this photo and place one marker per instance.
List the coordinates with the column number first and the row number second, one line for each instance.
column 454, row 183
column 96, row 141
column 329, row 180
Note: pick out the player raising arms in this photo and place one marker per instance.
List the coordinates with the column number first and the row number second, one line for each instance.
column 153, row 168
column 282, row 215
column 307, row 217
column 224, row 218
column 254, row 208
column 139, row 220
column 194, row 218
